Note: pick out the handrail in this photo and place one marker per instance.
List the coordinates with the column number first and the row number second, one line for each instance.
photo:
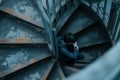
column 48, row 26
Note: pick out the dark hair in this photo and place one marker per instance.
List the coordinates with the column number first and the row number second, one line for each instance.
column 69, row 38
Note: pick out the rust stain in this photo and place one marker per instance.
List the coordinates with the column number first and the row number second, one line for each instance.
column 21, row 16
column 2, row 73
column 8, row 71
column 19, row 66
column 3, row 41
column 61, row 73
column 25, row 17
column 22, row 40
column 12, row 12
column 7, row 10
column 43, row 78
column 69, row 68
column 32, row 61
column 45, row 75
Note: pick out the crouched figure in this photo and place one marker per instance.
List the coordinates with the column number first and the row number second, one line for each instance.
column 68, row 49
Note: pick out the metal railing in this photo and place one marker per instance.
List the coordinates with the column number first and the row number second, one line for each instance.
column 53, row 7
column 48, row 28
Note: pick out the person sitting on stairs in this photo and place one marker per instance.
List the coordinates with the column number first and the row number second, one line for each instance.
column 68, row 49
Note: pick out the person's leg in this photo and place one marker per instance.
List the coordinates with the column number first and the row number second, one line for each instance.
column 70, row 62
column 79, row 56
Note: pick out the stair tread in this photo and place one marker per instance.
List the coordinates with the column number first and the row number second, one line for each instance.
column 91, row 54
column 16, row 29
column 77, row 22
column 87, row 60
column 93, row 1
column 56, row 73
column 64, row 19
column 47, row 72
column 91, row 36
column 34, row 72
column 14, row 58
column 24, row 9
column 94, row 51
column 22, row 41
column 22, row 17
column 80, row 65
column 68, row 70
column 87, row 44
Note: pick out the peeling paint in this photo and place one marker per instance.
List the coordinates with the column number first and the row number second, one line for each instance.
column 15, row 29
column 13, row 60
column 25, row 7
column 34, row 76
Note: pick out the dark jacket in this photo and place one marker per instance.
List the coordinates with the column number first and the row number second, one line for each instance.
column 64, row 53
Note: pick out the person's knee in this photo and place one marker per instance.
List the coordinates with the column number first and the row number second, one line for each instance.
column 81, row 57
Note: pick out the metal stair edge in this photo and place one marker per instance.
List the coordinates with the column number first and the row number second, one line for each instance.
column 89, row 25
column 92, row 44
column 64, row 19
column 56, row 73
column 72, row 68
column 6, row 73
column 69, row 70
column 21, row 17
column 45, row 75
column 61, row 72
column 21, row 41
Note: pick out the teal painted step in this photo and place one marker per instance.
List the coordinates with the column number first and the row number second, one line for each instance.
column 91, row 36
column 94, row 51
column 56, row 73
column 78, row 21
column 68, row 70
column 23, row 7
column 12, row 28
column 13, row 58
column 33, row 72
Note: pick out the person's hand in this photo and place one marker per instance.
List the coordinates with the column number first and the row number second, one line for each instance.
column 80, row 57
column 76, row 52
column 60, row 42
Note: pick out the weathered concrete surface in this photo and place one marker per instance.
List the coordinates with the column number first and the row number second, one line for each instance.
column 24, row 7
column 34, row 72
column 13, row 58
column 15, row 29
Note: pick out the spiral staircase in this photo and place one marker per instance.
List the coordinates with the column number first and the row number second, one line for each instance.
column 24, row 50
